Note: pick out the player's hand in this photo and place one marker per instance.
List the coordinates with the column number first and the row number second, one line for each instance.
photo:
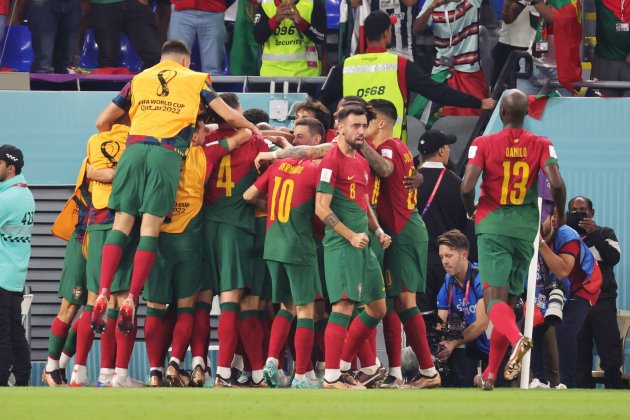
column 588, row 225
column 359, row 240
column 413, row 182
column 488, row 103
column 449, row 346
column 471, row 215
column 264, row 159
column 385, row 240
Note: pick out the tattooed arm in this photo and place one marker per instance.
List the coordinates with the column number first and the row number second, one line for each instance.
column 378, row 163
column 324, row 212
column 299, row 152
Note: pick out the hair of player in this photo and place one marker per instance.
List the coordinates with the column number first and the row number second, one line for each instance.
column 314, row 125
column 231, row 99
column 454, row 239
column 175, row 47
column 318, row 109
column 348, row 110
column 353, row 99
column 385, row 108
column 256, row 116
column 589, row 202
column 375, row 25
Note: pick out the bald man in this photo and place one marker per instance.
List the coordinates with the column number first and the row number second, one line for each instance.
column 506, row 222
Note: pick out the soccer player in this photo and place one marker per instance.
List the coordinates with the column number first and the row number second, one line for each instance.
column 229, row 235
column 406, row 260
column 179, row 262
column 290, row 252
column 352, row 271
column 72, row 285
column 163, row 103
column 506, row 222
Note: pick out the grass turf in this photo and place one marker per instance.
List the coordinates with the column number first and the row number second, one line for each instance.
column 92, row 403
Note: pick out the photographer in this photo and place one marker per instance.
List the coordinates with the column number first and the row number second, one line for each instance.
column 462, row 310
column 566, row 256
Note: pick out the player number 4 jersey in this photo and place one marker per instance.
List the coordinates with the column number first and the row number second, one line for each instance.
column 510, row 160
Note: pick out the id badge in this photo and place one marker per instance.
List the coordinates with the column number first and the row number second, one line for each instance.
column 446, row 61
column 542, row 46
column 622, row 27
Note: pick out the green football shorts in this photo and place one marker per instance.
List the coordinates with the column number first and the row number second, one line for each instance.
column 73, row 283
column 504, row 260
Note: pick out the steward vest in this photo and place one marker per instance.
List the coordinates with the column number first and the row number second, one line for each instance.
column 104, row 151
column 65, row 223
column 189, row 197
column 288, row 52
column 165, row 101
column 375, row 76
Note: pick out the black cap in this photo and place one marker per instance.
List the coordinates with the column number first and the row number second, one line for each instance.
column 432, row 140
column 12, row 156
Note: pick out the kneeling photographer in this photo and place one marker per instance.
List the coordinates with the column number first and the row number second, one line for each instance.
column 462, row 311
column 565, row 255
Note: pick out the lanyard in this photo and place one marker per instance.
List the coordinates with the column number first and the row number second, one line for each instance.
column 465, row 301
column 19, row 185
column 437, row 184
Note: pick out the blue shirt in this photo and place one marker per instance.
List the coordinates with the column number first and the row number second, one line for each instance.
column 466, row 307
column 17, row 209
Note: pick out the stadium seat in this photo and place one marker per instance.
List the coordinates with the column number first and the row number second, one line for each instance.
column 332, row 14
column 18, row 54
column 623, row 322
column 89, row 52
column 128, row 56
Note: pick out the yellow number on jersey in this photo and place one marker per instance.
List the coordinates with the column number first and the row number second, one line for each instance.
column 224, row 178
column 412, row 195
column 353, row 190
column 376, row 191
column 517, row 194
column 284, row 204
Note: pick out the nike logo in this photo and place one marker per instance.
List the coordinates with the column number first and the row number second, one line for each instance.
column 350, row 178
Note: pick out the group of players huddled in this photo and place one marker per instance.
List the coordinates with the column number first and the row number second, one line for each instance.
column 325, row 233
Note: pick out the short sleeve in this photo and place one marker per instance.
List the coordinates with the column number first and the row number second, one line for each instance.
column 442, row 297
column 327, row 175
column 262, row 183
column 123, row 99
column 476, row 153
column 478, row 288
column 387, row 152
column 548, row 155
column 571, row 248
column 214, row 151
column 208, row 94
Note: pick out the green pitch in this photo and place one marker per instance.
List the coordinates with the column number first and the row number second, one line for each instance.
column 123, row 404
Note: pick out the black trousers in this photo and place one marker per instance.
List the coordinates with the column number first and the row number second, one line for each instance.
column 462, row 364
column 600, row 326
column 133, row 18
column 500, row 55
column 573, row 316
column 15, row 353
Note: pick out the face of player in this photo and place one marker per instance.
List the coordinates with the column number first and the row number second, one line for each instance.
column 199, row 135
column 454, row 261
column 372, row 129
column 580, row 205
column 303, row 137
column 353, row 129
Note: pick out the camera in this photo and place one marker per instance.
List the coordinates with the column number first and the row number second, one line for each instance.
column 555, row 303
column 451, row 330
column 455, row 326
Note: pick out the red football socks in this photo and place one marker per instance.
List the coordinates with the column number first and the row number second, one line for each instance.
column 228, row 332
column 335, row 337
column 200, row 340
column 279, row 332
column 358, row 333
column 124, row 347
column 304, row 336
column 504, row 321
column 498, row 346
column 153, row 336
column 142, row 264
column 392, row 332
column 108, row 341
column 85, row 337
column 112, row 252
column 416, row 333
column 251, row 337
column 182, row 332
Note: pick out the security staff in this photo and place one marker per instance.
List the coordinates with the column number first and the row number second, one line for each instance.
column 17, row 208
column 378, row 74
column 289, row 31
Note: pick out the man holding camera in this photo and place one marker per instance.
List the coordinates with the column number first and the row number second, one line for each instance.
column 601, row 322
column 462, row 310
column 567, row 256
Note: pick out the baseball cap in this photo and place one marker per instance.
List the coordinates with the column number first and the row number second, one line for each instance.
column 12, row 156
column 432, row 140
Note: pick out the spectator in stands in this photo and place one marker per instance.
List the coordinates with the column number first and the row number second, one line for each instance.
column 162, row 18
column 289, row 32
column 201, row 20
column 379, row 74
column 601, row 323
column 461, row 307
column 520, row 20
column 17, row 209
column 55, row 26
column 439, row 206
column 566, row 256
column 456, row 37
column 612, row 52
column 135, row 18
column 256, row 116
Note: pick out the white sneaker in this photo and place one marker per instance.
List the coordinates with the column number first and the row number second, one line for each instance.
column 119, row 381
column 561, row 386
column 79, row 376
column 536, row 384
column 283, row 379
column 105, row 378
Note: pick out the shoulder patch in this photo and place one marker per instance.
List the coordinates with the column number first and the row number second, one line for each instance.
column 472, row 152
column 552, row 152
column 326, row 175
column 387, row 153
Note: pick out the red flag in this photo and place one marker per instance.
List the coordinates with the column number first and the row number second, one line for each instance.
column 567, row 30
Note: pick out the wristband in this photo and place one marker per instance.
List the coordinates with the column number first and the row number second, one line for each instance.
column 379, row 231
column 541, row 243
column 274, row 154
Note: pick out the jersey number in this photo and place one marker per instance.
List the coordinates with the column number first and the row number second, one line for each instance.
column 353, row 190
column 284, row 203
column 412, row 195
column 224, row 179
column 376, row 191
column 516, row 194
